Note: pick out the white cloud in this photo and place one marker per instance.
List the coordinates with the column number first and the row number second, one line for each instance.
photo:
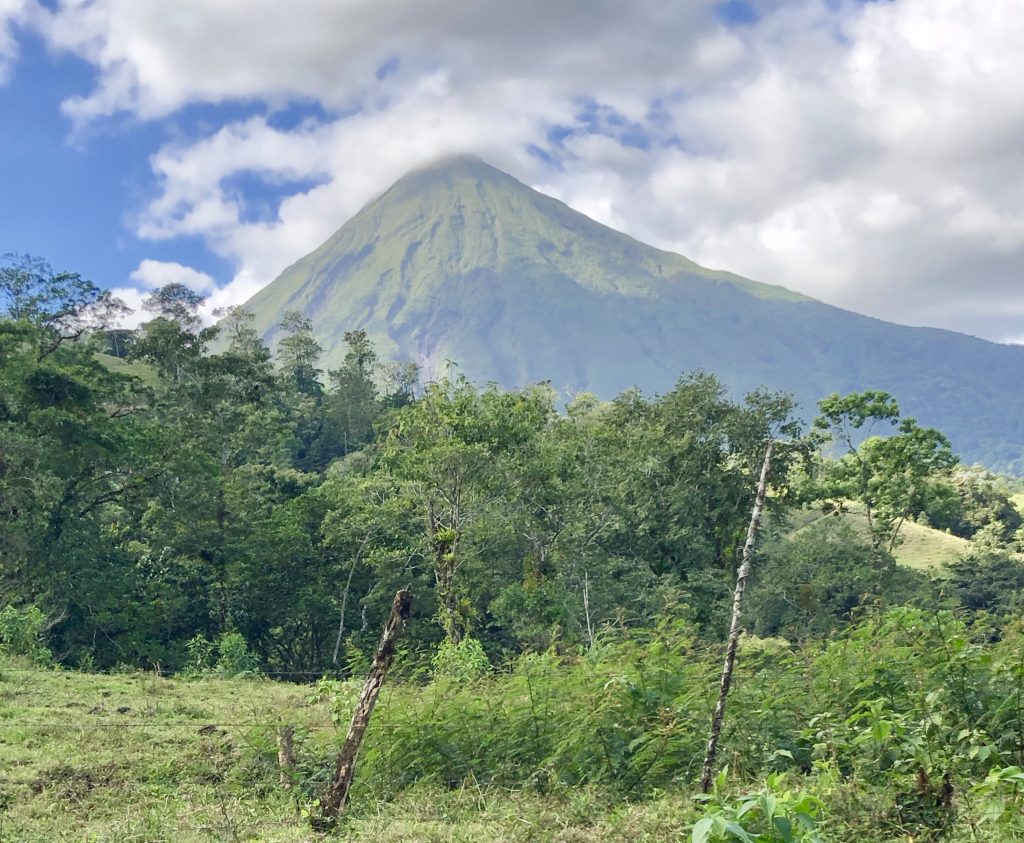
column 132, row 297
column 150, row 274
column 867, row 154
column 12, row 12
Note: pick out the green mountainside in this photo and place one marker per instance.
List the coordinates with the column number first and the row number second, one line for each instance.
column 459, row 261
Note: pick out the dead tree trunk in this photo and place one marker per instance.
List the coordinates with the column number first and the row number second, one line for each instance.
column 333, row 800
column 586, row 608
column 735, row 629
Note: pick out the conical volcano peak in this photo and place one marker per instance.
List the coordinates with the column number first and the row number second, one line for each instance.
column 462, row 172
column 419, row 265
column 460, row 261
column 460, row 163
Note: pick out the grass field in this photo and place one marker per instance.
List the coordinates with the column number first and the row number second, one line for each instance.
column 140, row 757
column 920, row 547
column 1018, row 501
column 137, row 757
column 143, row 371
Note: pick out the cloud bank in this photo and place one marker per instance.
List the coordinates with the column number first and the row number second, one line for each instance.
column 867, row 154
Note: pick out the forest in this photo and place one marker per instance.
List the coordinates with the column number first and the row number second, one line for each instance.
column 177, row 501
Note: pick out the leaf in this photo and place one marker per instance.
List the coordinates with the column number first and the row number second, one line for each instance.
column 784, row 827
column 702, row 830
column 739, row 832
column 722, row 778
column 806, row 820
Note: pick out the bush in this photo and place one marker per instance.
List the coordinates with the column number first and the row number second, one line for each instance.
column 988, row 580
column 465, row 660
column 776, row 814
column 234, row 658
column 229, row 657
column 23, row 633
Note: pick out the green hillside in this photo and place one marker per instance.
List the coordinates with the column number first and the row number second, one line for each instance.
column 920, row 547
column 462, row 262
column 1018, row 501
column 143, row 371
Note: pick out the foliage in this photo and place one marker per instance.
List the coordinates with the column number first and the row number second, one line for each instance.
column 23, row 633
column 232, row 493
column 895, row 477
column 774, row 815
column 979, row 502
column 463, row 660
column 228, row 657
column 234, row 658
column 989, row 580
column 822, row 578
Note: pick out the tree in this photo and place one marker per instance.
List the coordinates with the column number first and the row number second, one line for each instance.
column 298, row 353
column 177, row 303
column 892, row 477
column 353, row 404
column 175, row 340
column 815, row 581
column 62, row 306
column 453, row 450
column 73, row 444
column 976, row 505
column 236, row 324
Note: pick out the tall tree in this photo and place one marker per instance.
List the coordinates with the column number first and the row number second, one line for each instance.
column 453, row 450
column 62, row 306
column 175, row 340
column 892, row 477
column 299, row 352
column 353, row 404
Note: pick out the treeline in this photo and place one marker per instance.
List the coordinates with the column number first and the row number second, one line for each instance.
column 169, row 488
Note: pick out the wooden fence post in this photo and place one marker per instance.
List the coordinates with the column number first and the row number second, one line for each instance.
column 735, row 629
column 333, row 800
column 286, row 756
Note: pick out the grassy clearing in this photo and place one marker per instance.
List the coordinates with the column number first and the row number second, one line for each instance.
column 143, row 371
column 1018, row 501
column 921, row 547
column 138, row 757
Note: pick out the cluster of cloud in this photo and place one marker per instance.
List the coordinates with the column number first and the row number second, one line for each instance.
column 151, row 274
column 864, row 153
column 12, row 12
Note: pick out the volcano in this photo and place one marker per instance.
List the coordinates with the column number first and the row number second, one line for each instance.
column 460, row 262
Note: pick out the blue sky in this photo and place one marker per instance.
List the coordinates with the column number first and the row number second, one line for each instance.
column 864, row 153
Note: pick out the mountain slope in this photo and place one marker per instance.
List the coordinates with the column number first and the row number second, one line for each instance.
column 462, row 262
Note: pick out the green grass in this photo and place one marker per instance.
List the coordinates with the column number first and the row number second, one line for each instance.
column 603, row 745
column 137, row 757
column 1018, row 501
column 143, row 371
column 920, row 547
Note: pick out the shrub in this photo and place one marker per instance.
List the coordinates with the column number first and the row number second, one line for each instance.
column 229, row 657
column 464, row 660
column 234, row 658
column 23, row 633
